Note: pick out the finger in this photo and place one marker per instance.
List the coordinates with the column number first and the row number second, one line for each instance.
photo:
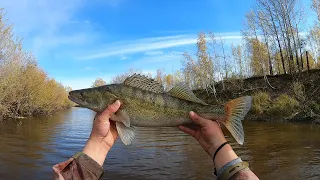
column 106, row 114
column 198, row 119
column 189, row 131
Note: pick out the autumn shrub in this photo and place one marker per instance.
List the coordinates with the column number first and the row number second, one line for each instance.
column 25, row 89
column 284, row 105
column 260, row 102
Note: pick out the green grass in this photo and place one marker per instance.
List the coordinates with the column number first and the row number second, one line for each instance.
column 283, row 106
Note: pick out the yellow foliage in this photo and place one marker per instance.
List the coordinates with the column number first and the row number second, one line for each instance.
column 259, row 57
column 312, row 63
column 199, row 73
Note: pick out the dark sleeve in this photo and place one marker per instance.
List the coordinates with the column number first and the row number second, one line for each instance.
column 244, row 174
column 78, row 167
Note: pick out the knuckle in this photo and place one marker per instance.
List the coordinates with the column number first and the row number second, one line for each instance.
column 110, row 109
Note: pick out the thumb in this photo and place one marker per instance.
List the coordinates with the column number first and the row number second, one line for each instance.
column 198, row 119
column 112, row 108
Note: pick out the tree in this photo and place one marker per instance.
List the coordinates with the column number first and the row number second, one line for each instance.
column 98, row 82
column 224, row 57
column 259, row 57
column 275, row 23
column 264, row 25
column 316, row 7
column 159, row 75
column 312, row 62
column 168, row 81
column 273, row 26
column 237, row 55
column 199, row 73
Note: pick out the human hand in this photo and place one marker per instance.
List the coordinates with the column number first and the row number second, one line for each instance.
column 208, row 133
column 103, row 134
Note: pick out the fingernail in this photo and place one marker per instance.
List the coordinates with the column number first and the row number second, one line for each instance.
column 117, row 103
column 191, row 113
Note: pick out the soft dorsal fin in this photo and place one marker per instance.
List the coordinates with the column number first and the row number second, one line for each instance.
column 142, row 82
column 182, row 91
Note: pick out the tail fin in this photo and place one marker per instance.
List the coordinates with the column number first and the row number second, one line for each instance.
column 235, row 111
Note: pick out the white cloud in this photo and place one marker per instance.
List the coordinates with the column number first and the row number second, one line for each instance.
column 160, row 58
column 152, row 53
column 140, row 45
column 123, row 57
column 148, row 46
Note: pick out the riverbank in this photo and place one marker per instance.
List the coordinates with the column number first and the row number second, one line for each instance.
column 278, row 98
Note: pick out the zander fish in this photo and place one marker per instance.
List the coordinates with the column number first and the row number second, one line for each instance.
column 144, row 103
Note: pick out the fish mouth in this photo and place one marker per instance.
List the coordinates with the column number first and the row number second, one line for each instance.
column 81, row 104
column 74, row 100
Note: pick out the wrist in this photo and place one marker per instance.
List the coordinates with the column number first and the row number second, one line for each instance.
column 217, row 140
column 215, row 145
column 223, row 156
column 97, row 149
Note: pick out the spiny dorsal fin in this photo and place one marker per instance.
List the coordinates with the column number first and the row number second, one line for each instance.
column 142, row 82
column 182, row 91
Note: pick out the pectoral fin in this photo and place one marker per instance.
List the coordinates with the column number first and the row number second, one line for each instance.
column 121, row 116
column 126, row 133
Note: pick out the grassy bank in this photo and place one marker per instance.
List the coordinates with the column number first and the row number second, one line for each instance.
column 281, row 98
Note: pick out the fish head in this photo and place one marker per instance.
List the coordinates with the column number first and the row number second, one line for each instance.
column 97, row 98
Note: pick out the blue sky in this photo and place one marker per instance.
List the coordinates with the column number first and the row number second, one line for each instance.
column 76, row 41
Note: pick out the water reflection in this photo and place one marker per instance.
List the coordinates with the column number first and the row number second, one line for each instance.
column 30, row 147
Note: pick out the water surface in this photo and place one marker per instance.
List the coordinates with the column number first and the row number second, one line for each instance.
column 30, row 147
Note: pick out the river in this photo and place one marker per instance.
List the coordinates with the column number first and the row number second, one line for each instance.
column 30, row 147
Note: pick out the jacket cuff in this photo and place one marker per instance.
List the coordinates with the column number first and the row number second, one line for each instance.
column 82, row 165
column 91, row 165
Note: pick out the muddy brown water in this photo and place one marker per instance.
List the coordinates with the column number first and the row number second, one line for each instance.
column 30, row 147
